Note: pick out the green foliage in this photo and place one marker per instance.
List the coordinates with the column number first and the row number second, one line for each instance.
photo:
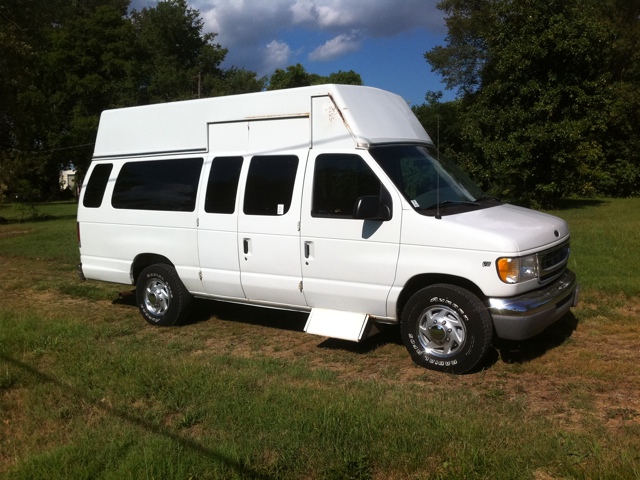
column 174, row 55
column 442, row 121
column 297, row 76
column 67, row 61
column 550, row 95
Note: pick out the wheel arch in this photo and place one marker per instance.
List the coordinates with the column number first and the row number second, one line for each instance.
column 424, row 280
column 143, row 260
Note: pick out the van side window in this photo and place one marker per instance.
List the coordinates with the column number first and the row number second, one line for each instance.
column 167, row 185
column 339, row 179
column 96, row 185
column 270, row 184
column 223, row 185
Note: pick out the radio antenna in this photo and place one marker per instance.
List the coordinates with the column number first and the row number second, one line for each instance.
column 438, row 216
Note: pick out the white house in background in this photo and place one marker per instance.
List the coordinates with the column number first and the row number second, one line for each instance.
column 67, row 179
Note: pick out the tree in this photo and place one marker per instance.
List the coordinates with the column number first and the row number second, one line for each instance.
column 343, row 78
column 622, row 142
column 173, row 53
column 537, row 81
column 63, row 62
column 29, row 111
column 90, row 66
column 462, row 61
column 232, row 81
column 294, row 76
column 442, row 121
column 297, row 76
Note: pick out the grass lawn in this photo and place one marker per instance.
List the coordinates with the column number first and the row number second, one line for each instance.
column 88, row 390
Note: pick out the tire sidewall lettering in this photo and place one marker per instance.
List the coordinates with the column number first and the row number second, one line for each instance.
column 471, row 313
column 178, row 297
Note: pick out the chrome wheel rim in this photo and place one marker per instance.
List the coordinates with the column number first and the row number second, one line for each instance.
column 441, row 331
column 156, row 297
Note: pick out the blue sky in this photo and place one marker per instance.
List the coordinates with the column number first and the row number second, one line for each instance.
column 382, row 40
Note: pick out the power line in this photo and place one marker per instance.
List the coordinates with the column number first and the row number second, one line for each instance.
column 38, row 152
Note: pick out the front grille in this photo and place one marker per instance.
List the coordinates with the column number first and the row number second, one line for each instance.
column 552, row 262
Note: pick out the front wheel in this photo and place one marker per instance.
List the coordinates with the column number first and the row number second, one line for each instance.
column 446, row 328
column 162, row 298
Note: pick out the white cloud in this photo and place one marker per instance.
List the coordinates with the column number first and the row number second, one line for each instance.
column 277, row 55
column 323, row 29
column 336, row 47
column 336, row 15
column 244, row 22
column 303, row 11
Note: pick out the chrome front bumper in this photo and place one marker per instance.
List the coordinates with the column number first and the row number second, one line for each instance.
column 524, row 316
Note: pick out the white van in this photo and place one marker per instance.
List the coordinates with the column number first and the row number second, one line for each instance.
column 328, row 199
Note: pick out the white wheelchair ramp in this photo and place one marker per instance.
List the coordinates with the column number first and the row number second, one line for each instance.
column 338, row 324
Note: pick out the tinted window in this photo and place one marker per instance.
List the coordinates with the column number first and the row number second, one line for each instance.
column 94, row 191
column 339, row 179
column 270, row 185
column 170, row 185
column 223, row 185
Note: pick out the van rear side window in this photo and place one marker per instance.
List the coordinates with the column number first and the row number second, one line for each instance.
column 167, row 185
column 97, row 184
column 270, row 184
column 223, row 185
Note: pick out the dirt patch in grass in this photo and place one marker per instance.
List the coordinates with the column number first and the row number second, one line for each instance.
column 12, row 233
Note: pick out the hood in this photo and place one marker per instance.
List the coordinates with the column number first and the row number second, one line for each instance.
column 527, row 229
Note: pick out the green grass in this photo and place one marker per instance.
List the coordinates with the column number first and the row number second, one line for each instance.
column 51, row 236
column 105, row 407
column 89, row 391
column 605, row 243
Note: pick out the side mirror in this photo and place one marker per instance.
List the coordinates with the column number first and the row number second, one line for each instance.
column 370, row 207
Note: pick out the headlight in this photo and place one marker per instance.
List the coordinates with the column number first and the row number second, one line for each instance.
column 517, row 269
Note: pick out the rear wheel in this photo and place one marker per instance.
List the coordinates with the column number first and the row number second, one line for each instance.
column 446, row 328
column 161, row 296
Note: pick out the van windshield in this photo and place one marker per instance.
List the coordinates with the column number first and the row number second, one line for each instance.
column 431, row 183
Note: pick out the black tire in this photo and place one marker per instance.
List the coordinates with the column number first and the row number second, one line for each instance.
column 161, row 296
column 446, row 328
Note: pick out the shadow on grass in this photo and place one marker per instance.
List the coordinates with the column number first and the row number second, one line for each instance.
column 27, row 212
column 579, row 203
column 506, row 350
column 124, row 415
column 204, row 310
column 291, row 321
column 35, row 219
column 526, row 350
column 388, row 334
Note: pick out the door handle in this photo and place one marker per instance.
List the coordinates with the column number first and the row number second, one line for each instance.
column 245, row 245
column 307, row 249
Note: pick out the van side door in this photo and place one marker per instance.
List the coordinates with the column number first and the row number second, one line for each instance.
column 218, row 226
column 348, row 263
column 268, row 220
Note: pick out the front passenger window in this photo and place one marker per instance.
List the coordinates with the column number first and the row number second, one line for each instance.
column 339, row 179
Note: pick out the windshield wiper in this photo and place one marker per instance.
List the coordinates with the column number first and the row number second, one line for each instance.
column 488, row 197
column 448, row 203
